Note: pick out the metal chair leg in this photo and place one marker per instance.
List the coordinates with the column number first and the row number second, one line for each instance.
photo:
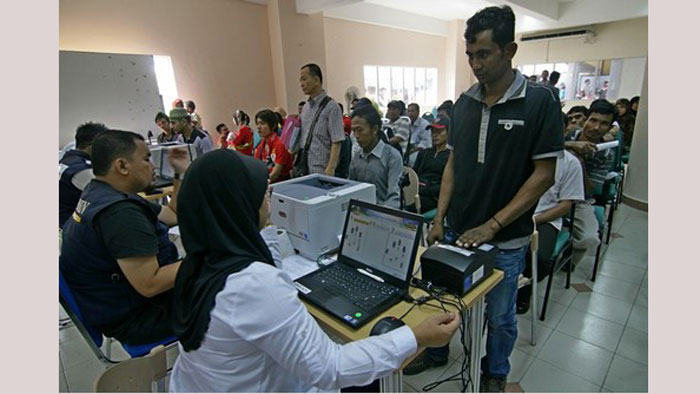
column 597, row 259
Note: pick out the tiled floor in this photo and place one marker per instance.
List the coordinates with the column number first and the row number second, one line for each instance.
column 590, row 341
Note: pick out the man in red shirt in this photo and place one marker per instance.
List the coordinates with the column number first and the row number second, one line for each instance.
column 272, row 150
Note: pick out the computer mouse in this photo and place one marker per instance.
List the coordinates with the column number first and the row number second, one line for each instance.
column 386, row 324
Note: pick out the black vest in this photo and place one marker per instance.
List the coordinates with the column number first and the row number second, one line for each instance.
column 99, row 286
column 73, row 162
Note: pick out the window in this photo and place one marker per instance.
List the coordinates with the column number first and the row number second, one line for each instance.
column 409, row 84
column 165, row 77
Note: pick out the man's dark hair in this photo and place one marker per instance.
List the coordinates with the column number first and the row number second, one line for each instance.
column 86, row 133
column 190, row 104
column 161, row 115
column 446, row 106
column 268, row 117
column 634, row 99
column 554, row 77
column 314, row 71
column 369, row 114
column 500, row 20
column 398, row 104
column 603, row 107
column 414, row 105
column 219, row 126
column 110, row 145
column 578, row 109
column 280, row 119
column 301, row 103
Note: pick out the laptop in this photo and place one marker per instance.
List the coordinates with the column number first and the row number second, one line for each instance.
column 374, row 266
column 164, row 172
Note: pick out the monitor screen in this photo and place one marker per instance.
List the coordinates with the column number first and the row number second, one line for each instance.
column 380, row 240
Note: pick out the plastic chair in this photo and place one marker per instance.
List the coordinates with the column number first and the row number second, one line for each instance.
column 562, row 255
column 137, row 375
column 91, row 335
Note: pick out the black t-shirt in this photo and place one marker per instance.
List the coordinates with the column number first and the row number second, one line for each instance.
column 127, row 231
column 429, row 167
column 494, row 149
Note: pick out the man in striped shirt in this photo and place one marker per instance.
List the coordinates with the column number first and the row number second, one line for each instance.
column 596, row 165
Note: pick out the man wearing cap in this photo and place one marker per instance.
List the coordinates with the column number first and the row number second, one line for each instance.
column 198, row 142
column 505, row 137
column 420, row 137
column 430, row 164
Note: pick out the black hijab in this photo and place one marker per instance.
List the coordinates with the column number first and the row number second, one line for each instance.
column 217, row 210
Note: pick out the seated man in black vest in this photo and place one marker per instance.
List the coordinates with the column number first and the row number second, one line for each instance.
column 75, row 170
column 430, row 165
column 116, row 256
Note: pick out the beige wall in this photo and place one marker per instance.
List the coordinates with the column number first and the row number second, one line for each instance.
column 220, row 49
column 351, row 45
column 615, row 40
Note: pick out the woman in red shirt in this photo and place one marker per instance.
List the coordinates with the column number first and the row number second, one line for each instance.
column 243, row 139
column 271, row 149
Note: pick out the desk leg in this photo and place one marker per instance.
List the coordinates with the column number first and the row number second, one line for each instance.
column 392, row 383
column 476, row 331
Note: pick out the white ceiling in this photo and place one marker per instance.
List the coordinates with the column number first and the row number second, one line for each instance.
column 431, row 16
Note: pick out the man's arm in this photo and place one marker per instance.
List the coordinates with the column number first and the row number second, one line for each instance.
column 333, row 160
column 582, row 148
column 393, row 192
column 446, row 187
column 147, row 278
column 541, row 179
column 558, row 211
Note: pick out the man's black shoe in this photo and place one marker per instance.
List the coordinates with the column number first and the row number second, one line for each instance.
column 421, row 363
column 490, row 384
column 522, row 308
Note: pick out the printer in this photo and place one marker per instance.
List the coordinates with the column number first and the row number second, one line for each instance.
column 313, row 209
column 457, row 269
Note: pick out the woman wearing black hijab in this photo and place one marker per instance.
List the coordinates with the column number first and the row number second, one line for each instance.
column 240, row 323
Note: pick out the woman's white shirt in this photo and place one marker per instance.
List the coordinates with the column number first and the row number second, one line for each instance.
column 261, row 338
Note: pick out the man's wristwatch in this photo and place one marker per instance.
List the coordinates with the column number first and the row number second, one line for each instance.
column 178, row 176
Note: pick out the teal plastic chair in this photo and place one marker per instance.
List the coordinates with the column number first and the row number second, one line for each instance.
column 562, row 255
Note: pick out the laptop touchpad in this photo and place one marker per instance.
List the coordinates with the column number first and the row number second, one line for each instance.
column 340, row 306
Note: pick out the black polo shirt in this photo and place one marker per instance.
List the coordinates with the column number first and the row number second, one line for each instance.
column 494, row 149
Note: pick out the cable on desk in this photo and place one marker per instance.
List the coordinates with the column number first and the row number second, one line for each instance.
column 444, row 298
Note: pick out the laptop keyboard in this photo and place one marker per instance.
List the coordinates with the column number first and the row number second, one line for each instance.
column 362, row 291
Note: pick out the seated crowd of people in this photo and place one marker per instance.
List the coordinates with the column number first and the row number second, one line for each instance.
column 128, row 282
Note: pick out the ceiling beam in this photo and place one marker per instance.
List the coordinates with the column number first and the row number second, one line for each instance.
column 314, row 6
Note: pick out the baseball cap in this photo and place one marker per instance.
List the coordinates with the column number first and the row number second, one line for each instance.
column 441, row 122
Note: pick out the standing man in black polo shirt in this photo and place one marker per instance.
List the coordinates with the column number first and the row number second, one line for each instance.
column 505, row 136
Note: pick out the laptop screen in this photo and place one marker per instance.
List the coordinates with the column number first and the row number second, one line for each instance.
column 380, row 240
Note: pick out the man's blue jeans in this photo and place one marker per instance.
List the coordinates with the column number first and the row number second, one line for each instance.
column 500, row 317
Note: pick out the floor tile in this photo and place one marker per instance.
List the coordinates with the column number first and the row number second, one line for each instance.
column 524, row 329
column 514, row 388
column 557, row 293
column 576, row 356
column 453, row 386
column 429, row 376
column 603, row 306
column 592, row 329
column 637, row 258
column 543, row 377
column 555, row 311
column 74, row 352
column 619, row 270
column 407, row 388
column 642, row 299
column 519, row 363
column 639, row 319
column 68, row 333
column 62, row 384
column 613, row 287
column 81, row 377
column 634, row 345
column 627, row 376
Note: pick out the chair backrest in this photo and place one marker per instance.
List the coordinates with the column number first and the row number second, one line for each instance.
column 410, row 191
column 89, row 333
column 135, row 375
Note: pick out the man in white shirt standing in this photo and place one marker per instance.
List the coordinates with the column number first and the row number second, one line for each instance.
column 419, row 133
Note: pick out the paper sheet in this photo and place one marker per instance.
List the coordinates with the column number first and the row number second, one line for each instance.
column 297, row 266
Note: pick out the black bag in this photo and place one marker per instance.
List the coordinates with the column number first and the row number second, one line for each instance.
column 301, row 161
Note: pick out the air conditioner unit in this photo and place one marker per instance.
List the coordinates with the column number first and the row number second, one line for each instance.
column 585, row 31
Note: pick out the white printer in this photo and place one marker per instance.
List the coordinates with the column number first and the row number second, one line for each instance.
column 313, row 208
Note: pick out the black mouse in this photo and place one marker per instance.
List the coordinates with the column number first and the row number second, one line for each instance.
column 386, row 324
